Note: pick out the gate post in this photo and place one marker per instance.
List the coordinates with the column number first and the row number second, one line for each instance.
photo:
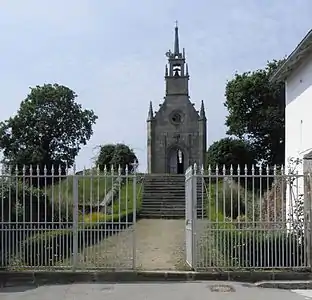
column 194, row 216
column 75, row 220
column 135, row 165
column 307, row 170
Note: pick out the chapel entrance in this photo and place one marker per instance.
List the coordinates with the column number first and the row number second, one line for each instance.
column 176, row 161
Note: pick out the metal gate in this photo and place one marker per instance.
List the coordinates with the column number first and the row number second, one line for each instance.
column 190, row 214
column 75, row 220
column 253, row 219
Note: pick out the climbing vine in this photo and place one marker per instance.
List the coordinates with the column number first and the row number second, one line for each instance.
column 296, row 201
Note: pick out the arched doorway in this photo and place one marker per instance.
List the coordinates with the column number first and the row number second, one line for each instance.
column 176, row 161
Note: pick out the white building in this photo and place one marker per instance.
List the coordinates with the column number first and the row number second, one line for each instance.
column 296, row 72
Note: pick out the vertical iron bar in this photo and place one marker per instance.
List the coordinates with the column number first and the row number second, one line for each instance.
column 134, row 218
column 75, row 220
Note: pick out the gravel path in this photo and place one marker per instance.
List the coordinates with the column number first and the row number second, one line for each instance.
column 159, row 244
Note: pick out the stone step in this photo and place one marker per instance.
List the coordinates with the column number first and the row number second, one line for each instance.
column 165, row 181
column 164, row 214
column 169, row 210
column 164, row 196
column 162, row 192
column 171, row 205
column 176, row 194
column 167, row 202
column 163, row 211
column 166, row 209
column 173, row 186
column 163, row 200
column 164, row 189
column 161, row 186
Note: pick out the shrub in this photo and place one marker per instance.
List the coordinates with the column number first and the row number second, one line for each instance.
column 258, row 249
column 239, row 240
column 53, row 246
column 231, row 201
column 23, row 211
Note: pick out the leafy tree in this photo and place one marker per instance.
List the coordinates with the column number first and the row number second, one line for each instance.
column 48, row 129
column 116, row 155
column 239, row 153
column 230, row 152
column 256, row 111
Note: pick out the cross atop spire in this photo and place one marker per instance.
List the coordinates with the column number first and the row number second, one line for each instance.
column 176, row 50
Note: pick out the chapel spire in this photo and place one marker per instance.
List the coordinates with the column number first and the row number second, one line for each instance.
column 176, row 50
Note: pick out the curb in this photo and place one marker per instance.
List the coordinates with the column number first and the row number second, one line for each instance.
column 284, row 280
column 286, row 285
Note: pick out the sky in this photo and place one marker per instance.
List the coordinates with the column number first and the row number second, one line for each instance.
column 112, row 54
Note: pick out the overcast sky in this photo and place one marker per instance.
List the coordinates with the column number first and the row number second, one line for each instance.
column 112, row 54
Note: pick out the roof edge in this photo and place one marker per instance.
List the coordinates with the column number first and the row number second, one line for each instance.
column 293, row 59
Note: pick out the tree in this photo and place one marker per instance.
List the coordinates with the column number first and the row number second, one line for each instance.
column 48, row 129
column 230, row 152
column 116, row 155
column 256, row 111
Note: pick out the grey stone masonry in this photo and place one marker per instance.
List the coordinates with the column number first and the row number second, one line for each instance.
column 164, row 197
column 177, row 131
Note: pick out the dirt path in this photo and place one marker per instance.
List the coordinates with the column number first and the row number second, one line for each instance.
column 159, row 244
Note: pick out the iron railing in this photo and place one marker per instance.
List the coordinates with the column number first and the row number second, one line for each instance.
column 68, row 220
column 252, row 219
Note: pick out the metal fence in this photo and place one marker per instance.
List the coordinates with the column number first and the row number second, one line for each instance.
column 252, row 218
column 61, row 220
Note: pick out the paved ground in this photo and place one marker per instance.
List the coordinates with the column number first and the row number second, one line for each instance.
column 151, row 291
column 159, row 245
column 307, row 294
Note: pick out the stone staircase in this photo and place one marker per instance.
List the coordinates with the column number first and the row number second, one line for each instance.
column 164, row 197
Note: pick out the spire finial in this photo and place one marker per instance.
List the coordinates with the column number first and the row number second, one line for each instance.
column 176, row 24
column 202, row 113
column 176, row 49
column 150, row 112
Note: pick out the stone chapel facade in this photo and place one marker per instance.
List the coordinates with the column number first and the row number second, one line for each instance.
column 177, row 132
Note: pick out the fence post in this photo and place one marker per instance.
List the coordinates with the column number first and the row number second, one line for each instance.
column 194, row 216
column 307, row 169
column 135, row 164
column 75, row 221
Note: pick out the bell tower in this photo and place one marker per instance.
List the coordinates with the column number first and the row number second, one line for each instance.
column 176, row 133
column 176, row 74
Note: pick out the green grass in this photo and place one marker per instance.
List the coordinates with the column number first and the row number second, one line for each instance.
column 39, row 245
column 92, row 188
column 121, row 206
column 222, row 202
column 223, row 238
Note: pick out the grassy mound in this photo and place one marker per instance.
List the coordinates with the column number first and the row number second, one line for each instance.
column 48, row 246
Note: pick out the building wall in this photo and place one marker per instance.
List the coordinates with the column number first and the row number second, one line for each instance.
column 164, row 133
column 298, row 126
column 298, row 112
